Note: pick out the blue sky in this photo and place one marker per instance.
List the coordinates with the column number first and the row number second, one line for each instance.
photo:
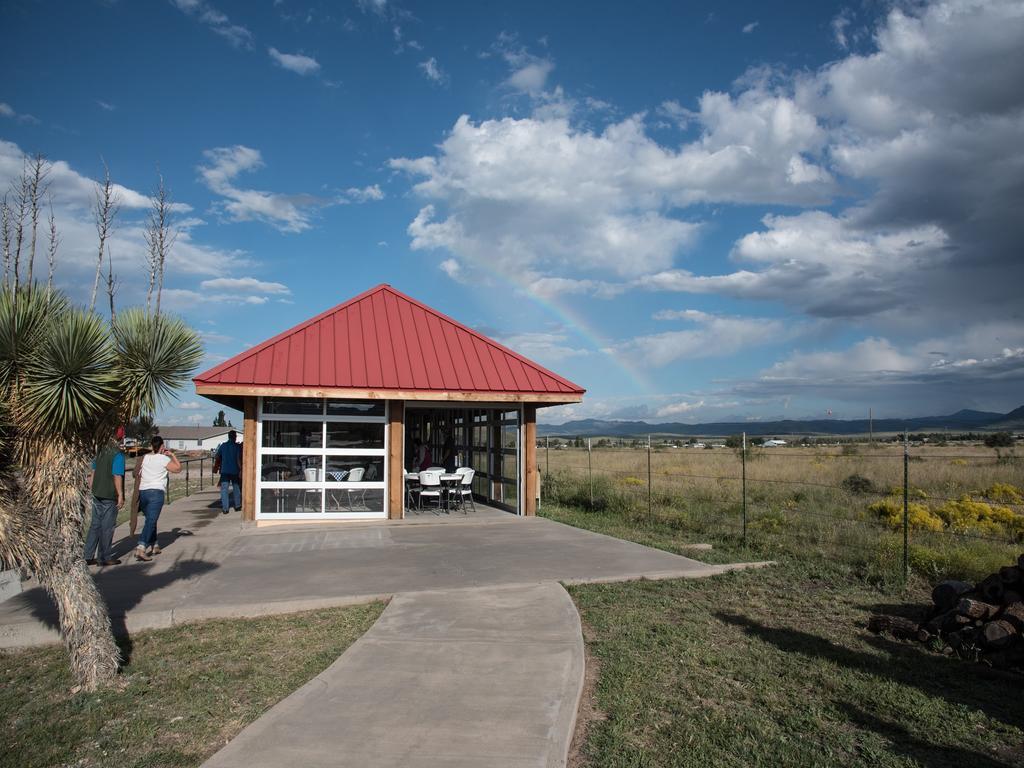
column 697, row 211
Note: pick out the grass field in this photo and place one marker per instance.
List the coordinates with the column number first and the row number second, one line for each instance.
column 773, row 668
column 183, row 693
column 966, row 502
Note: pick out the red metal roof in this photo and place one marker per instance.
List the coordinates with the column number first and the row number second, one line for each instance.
column 385, row 340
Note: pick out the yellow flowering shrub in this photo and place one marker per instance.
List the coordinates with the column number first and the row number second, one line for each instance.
column 919, row 516
column 959, row 463
column 633, row 481
column 1006, row 493
column 970, row 515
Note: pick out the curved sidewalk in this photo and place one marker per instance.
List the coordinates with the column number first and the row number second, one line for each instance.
column 452, row 678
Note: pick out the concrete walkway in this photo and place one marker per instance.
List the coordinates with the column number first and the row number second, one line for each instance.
column 480, row 677
column 214, row 566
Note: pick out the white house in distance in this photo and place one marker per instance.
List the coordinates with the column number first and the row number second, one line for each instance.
column 195, row 438
column 773, row 443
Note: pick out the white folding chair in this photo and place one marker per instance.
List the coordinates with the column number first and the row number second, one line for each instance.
column 356, row 476
column 466, row 488
column 430, row 487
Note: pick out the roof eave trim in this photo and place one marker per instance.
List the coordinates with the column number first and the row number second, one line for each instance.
column 213, row 391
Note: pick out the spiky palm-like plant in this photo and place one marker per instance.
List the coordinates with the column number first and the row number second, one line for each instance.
column 66, row 378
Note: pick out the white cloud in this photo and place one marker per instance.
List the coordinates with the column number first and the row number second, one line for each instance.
column 433, row 71
column 298, row 63
column 452, row 268
column 675, row 409
column 748, row 28
column 191, row 406
column 105, row 106
column 366, row 194
column 543, row 347
column 542, row 196
column 218, row 22
column 243, row 285
column 713, row 336
column 288, row 213
column 822, row 265
column 6, row 110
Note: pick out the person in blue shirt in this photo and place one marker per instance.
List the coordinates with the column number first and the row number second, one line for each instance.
column 107, row 484
column 229, row 464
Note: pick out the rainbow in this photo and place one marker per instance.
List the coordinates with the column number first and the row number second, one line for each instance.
column 574, row 321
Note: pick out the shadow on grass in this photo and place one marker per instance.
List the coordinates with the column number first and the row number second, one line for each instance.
column 922, row 752
column 995, row 693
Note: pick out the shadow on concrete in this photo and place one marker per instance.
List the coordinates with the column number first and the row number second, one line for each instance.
column 122, row 588
column 994, row 692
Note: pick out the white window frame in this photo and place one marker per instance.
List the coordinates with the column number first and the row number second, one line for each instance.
column 322, row 485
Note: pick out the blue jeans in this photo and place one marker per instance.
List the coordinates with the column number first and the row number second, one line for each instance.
column 101, row 529
column 230, row 482
column 151, row 502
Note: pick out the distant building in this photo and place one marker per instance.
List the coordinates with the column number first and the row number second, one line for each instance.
column 195, row 438
column 773, row 443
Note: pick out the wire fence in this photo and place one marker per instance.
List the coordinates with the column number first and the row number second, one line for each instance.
column 894, row 506
column 196, row 475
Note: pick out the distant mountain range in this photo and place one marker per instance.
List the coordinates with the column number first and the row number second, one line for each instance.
column 961, row 421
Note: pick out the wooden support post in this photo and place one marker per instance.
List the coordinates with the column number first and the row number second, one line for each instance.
column 249, row 468
column 396, row 464
column 529, row 495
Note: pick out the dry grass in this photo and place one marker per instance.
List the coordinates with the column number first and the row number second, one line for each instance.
column 184, row 693
column 800, row 499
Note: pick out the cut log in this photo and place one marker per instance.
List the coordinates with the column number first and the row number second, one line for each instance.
column 947, row 593
column 897, row 626
column 954, row 622
column 1012, row 596
column 1020, row 561
column 1010, row 574
column 1014, row 613
column 975, row 609
column 998, row 634
column 937, row 624
column 991, row 589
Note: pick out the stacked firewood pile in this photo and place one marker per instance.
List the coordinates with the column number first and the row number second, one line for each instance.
column 983, row 621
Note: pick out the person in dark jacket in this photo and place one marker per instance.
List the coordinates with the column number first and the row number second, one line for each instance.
column 107, row 483
column 229, row 464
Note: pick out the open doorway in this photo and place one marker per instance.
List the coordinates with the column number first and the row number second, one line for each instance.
column 486, row 439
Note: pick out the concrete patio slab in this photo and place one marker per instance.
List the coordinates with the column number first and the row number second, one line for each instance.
column 215, row 566
column 453, row 678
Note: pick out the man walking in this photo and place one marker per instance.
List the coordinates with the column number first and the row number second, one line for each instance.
column 107, row 483
column 229, row 464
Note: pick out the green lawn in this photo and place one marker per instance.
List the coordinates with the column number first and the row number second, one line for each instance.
column 773, row 667
column 184, row 693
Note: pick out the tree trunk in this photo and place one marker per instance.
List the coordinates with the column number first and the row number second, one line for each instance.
column 54, row 485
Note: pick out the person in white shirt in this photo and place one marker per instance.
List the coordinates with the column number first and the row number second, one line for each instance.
column 151, row 476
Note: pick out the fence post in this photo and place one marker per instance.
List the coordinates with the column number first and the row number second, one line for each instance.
column 906, row 505
column 590, row 472
column 187, row 463
column 743, row 459
column 202, row 469
column 547, row 455
column 650, row 508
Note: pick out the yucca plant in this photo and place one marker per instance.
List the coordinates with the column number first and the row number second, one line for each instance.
column 67, row 377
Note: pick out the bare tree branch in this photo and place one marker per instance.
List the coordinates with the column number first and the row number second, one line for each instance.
column 20, row 190
column 160, row 237
column 5, row 236
column 51, row 253
column 111, row 285
column 39, row 169
column 104, row 211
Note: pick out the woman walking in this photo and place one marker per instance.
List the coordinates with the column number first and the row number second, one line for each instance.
column 151, row 476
